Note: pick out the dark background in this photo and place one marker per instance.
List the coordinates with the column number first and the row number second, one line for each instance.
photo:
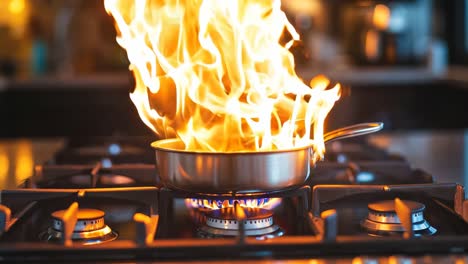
column 92, row 98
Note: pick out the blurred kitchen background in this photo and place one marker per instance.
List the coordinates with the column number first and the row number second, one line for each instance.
column 403, row 62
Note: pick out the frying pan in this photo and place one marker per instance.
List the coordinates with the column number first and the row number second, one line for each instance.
column 241, row 172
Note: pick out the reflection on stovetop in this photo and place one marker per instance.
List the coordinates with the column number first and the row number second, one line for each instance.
column 367, row 172
column 106, row 150
column 121, row 162
column 132, row 175
column 357, row 150
column 106, row 195
column 136, row 150
column 93, row 176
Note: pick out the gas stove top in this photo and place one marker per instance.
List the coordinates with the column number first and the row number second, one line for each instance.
column 100, row 201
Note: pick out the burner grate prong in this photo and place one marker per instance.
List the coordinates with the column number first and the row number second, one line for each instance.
column 405, row 214
column 69, row 219
column 330, row 225
column 465, row 210
column 146, row 228
column 240, row 217
column 5, row 217
column 95, row 174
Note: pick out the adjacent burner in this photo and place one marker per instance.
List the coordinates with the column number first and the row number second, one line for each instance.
column 103, row 179
column 258, row 223
column 382, row 219
column 89, row 229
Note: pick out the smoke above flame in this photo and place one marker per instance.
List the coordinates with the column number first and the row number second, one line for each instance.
column 217, row 75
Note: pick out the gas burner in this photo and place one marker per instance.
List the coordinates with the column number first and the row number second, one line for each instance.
column 382, row 219
column 223, row 222
column 89, row 229
column 214, row 204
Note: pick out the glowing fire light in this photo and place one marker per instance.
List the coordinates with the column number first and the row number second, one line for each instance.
column 265, row 203
column 381, row 17
column 214, row 74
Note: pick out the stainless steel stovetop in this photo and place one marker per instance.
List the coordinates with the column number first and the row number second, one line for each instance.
column 103, row 202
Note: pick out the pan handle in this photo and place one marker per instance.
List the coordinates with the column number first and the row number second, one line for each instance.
column 353, row 131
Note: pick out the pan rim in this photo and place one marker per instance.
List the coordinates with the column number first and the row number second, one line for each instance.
column 159, row 146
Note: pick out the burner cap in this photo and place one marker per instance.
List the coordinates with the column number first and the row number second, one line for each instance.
column 389, row 206
column 82, row 214
column 223, row 222
column 382, row 219
column 90, row 227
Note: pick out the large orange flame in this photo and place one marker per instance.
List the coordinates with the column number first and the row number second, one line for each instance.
column 215, row 74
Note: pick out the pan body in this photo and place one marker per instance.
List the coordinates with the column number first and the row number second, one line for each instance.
column 241, row 172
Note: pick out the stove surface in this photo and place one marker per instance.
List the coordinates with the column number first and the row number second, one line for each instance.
column 103, row 201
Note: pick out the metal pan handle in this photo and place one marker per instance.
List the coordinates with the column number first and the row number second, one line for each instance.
column 353, row 131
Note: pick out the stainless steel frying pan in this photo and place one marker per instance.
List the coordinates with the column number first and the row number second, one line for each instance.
column 219, row 172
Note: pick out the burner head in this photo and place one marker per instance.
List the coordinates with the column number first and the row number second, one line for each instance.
column 223, row 222
column 382, row 219
column 225, row 218
column 90, row 227
column 213, row 204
